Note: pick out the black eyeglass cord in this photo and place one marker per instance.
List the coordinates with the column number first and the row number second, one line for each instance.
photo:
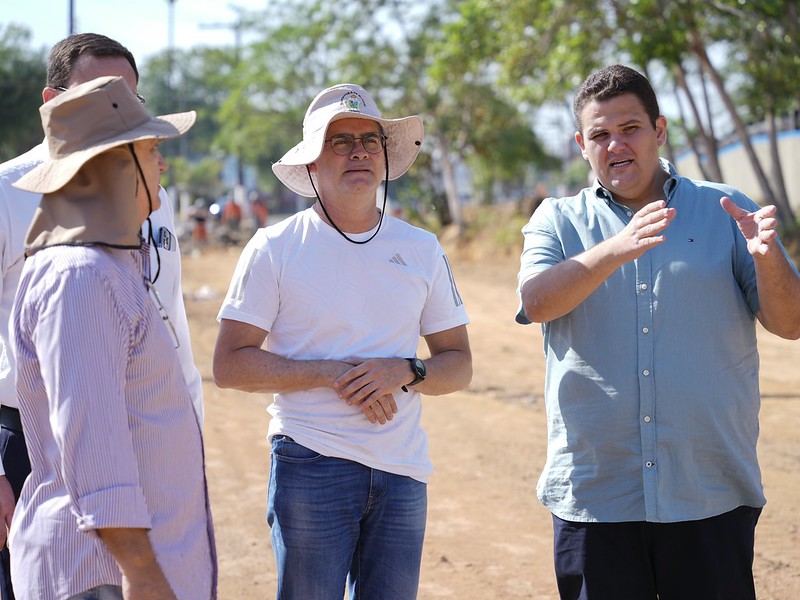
column 383, row 209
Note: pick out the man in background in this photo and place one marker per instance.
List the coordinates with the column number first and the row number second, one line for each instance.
column 74, row 60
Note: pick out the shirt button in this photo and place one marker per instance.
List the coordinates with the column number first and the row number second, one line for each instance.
column 645, row 330
column 646, row 372
column 647, row 419
column 649, row 464
column 643, row 286
column 629, row 213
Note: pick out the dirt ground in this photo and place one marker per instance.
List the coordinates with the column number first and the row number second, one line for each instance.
column 488, row 537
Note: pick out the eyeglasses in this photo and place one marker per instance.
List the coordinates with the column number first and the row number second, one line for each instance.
column 343, row 143
column 139, row 97
column 163, row 312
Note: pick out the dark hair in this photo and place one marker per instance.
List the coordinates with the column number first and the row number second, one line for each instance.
column 613, row 81
column 65, row 54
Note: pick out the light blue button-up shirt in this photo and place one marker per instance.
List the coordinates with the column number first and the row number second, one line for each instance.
column 652, row 382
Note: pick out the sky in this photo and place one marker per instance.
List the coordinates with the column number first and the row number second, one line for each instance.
column 140, row 25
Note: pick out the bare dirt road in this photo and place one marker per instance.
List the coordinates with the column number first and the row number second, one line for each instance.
column 488, row 537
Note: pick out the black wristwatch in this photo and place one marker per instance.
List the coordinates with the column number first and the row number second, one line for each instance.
column 418, row 368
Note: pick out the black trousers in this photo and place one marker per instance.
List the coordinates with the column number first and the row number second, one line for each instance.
column 17, row 467
column 710, row 559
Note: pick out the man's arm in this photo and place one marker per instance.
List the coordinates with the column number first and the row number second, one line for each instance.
column 7, row 505
column 561, row 288
column 449, row 368
column 142, row 576
column 7, row 502
column 240, row 363
column 777, row 282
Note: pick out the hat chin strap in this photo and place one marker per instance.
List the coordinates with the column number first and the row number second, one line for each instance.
column 150, row 238
column 383, row 208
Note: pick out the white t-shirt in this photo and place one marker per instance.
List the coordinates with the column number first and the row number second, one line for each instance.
column 16, row 212
column 170, row 292
column 322, row 297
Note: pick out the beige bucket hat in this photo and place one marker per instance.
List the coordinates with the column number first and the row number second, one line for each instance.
column 89, row 119
column 347, row 101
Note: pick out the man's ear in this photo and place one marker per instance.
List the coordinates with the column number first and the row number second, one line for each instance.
column 661, row 130
column 49, row 93
column 579, row 141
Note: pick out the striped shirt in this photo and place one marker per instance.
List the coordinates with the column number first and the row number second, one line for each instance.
column 112, row 435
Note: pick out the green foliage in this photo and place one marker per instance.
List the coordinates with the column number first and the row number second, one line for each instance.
column 475, row 70
column 201, row 80
column 200, row 179
column 551, row 45
column 770, row 45
column 499, row 225
column 22, row 77
column 508, row 235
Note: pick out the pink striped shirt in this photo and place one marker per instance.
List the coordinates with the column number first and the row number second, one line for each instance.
column 112, row 435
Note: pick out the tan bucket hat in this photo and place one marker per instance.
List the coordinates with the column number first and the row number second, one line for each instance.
column 89, row 119
column 347, row 101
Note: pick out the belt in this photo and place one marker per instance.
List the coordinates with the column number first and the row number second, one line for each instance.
column 9, row 418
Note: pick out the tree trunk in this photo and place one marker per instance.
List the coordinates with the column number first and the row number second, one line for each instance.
column 449, row 180
column 711, row 169
column 699, row 49
column 785, row 212
column 690, row 138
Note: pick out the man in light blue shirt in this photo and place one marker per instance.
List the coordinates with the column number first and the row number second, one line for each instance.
column 648, row 286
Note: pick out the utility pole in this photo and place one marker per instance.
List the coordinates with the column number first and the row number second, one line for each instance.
column 170, row 54
column 71, row 17
column 237, row 27
column 179, row 146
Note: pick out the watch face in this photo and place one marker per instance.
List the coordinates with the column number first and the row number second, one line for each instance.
column 419, row 368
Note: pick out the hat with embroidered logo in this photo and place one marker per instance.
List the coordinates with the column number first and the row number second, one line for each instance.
column 347, row 101
column 89, row 119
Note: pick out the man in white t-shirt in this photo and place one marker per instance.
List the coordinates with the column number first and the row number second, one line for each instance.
column 341, row 293
column 74, row 60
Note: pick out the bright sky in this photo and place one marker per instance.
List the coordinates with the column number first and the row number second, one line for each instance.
column 140, row 25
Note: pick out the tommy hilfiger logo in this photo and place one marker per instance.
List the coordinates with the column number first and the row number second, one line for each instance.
column 398, row 260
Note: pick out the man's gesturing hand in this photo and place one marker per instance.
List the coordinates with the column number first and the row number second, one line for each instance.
column 758, row 227
column 644, row 230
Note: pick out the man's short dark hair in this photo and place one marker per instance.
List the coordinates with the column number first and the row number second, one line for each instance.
column 613, row 81
column 65, row 54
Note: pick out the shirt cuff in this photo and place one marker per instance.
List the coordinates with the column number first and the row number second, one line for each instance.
column 122, row 506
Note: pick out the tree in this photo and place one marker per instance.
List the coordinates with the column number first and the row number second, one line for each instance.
column 478, row 70
column 199, row 179
column 772, row 36
column 22, row 77
column 550, row 46
column 394, row 49
column 201, row 79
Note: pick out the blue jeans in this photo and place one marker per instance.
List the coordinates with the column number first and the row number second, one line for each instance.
column 337, row 523
column 103, row 592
